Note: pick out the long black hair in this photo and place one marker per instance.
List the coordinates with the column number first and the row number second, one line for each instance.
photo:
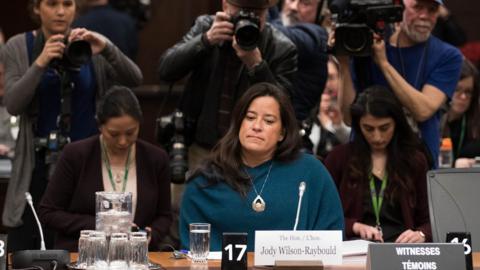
column 225, row 163
column 473, row 111
column 402, row 150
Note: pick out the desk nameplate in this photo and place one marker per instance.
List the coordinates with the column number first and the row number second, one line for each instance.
column 434, row 256
column 271, row 246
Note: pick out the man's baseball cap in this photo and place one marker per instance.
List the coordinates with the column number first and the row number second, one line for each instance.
column 253, row 3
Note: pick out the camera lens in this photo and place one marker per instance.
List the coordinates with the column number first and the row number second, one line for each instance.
column 355, row 41
column 247, row 34
column 78, row 53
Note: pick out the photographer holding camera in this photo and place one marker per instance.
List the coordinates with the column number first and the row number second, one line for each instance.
column 225, row 53
column 53, row 77
column 421, row 70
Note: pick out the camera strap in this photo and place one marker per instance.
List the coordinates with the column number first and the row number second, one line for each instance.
column 35, row 46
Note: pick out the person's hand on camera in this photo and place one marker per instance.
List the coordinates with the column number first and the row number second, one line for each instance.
column 221, row 29
column 379, row 51
column 249, row 58
column 53, row 49
column 367, row 232
column 97, row 41
column 410, row 236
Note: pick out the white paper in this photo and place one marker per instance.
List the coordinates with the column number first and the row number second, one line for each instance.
column 355, row 247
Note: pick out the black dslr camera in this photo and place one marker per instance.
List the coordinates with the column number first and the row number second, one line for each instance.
column 247, row 29
column 53, row 145
column 358, row 19
column 76, row 54
column 170, row 132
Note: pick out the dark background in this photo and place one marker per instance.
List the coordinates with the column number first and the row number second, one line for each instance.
column 170, row 20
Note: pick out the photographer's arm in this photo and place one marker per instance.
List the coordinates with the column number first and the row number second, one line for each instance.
column 346, row 93
column 21, row 78
column 422, row 103
column 179, row 60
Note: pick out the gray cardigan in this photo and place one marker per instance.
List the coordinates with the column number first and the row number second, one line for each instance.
column 21, row 80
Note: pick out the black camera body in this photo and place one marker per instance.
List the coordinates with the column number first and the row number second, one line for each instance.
column 247, row 29
column 53, row 145
column 170, row 133
column 357, row 20
column 76, row 54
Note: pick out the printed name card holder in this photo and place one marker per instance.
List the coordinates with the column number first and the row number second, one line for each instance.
column 298, row 249
column 425, row 256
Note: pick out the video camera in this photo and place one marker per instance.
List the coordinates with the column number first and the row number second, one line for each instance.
column 247, row 29
column 76, row 54
column 357, row 20
column 170, row 132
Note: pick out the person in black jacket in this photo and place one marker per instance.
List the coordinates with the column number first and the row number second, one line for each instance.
column 221, row 71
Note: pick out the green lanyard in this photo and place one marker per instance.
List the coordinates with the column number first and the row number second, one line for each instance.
column 377, row 200
column 106, row 161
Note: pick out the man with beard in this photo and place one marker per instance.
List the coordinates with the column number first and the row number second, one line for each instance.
column 298, row 21
column 419, row 68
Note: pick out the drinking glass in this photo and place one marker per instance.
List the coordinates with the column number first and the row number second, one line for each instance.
column 199, row 241
column 138, row 251
column 118, row 251
column 82, row 248
column 113, row 212
column 97, row 251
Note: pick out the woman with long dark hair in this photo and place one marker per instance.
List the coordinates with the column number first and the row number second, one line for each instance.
column 381, row 174
column 251, row 181
column 463, row 116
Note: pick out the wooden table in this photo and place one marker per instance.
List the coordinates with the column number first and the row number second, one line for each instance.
column 166, row 261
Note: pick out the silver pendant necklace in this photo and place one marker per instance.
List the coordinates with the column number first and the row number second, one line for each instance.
column 258, row 204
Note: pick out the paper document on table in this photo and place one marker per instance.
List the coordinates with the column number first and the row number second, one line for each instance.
column 355, row 247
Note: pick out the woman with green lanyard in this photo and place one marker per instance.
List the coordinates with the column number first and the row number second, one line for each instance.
column 114, row 161
column 381, row 173
column 461, row 122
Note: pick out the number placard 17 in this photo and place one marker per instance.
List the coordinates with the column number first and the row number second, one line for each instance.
column 234, row 251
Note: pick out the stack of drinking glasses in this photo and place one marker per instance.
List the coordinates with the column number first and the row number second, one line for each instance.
column 123, row 251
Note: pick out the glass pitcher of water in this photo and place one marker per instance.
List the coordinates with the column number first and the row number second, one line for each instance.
column 113, row 212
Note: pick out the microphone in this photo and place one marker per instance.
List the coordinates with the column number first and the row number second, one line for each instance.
column 301, row 190
column 28, row 196
column 43, row 259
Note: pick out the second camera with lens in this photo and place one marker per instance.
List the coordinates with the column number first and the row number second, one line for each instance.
column 247, row 29
column 357, row 20
column 170, row 133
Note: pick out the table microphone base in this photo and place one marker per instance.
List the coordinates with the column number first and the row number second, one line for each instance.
column 46, row 259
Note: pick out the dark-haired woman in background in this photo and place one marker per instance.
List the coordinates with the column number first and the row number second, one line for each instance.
column 114, row 161
column 251, row 181
column 37, row 79
column 463, row 116
column 381, row 174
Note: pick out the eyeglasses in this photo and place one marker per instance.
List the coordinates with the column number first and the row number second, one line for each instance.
column 467, row 92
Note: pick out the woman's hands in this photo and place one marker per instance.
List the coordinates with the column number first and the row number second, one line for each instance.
column 367, row 232
column 97, row 41
column 53, row 49
column 410, row 236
